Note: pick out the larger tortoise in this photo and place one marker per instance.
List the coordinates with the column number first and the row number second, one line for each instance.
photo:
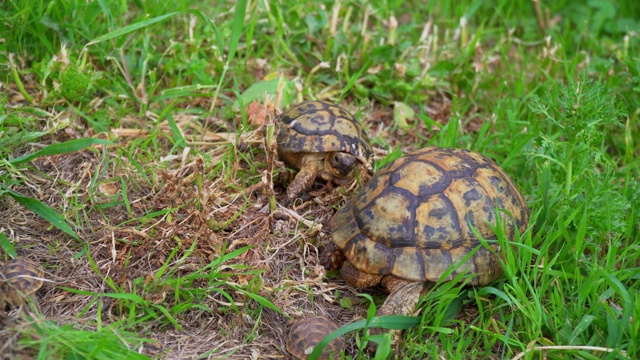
column 414, row 220
column 323, row 141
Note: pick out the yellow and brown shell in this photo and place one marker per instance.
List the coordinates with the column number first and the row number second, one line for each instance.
column 19, row 278
column 320, row 127
column 307, row 332
column 415, row 217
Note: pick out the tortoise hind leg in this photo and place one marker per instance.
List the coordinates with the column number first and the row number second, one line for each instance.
column 403, row 296
column 303, row 181
column 402, row 300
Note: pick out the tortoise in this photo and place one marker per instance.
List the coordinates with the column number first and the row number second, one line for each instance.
column 324, row 142
column 307, row 332
column 19, row 278
column 415, row 219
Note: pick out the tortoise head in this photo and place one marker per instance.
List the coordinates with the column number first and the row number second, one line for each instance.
column 340, row 164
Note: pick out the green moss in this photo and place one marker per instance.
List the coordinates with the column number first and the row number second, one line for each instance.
column 75, row 85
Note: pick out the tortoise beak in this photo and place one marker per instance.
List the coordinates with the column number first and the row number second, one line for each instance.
column 342, row 164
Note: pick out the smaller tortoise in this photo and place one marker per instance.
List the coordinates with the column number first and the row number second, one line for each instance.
column 322, row 141
column 307, row 332
column 19, row 278
column 416, row 218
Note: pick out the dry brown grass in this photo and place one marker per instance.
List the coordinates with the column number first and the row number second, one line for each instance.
column 286, row 245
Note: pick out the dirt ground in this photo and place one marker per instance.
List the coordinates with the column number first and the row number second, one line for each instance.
column 211, row 216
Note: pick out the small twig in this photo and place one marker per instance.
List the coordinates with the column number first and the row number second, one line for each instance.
column 335, row 15
column 310, row 224
column 541, row 21
column 216, row 139
column 271, row 150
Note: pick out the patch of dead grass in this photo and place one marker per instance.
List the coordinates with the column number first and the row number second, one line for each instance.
column 124, row 248
column 285, row 245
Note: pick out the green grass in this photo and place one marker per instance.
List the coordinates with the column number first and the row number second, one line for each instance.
column 171, row 240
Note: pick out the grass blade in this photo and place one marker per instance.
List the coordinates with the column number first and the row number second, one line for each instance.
column 7, row 246
column 131, row 28
column 176, row 132
column 61, row 148
column 395, row 322
column 236, row 29
column 43, row 211
column 261, row 300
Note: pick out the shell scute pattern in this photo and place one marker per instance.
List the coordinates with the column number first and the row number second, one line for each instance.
column 433, row 180
column 18, row 278
column 391, row 211
column 318, row 126
column 416, row 217
column 442, row 227
column 307, row 332
column 366, row 254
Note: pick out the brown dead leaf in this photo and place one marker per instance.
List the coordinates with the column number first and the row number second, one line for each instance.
column 108, row 189
column 256, row 114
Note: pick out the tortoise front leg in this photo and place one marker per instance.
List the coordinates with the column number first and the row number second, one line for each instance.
column 303, row 181
column 402, row 300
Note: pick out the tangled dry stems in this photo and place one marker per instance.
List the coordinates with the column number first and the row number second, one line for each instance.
column 285, row 245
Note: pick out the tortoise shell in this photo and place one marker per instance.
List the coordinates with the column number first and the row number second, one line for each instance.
column 415, row 217
column 19, row 278
column 320, row 127
column 307, row 332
